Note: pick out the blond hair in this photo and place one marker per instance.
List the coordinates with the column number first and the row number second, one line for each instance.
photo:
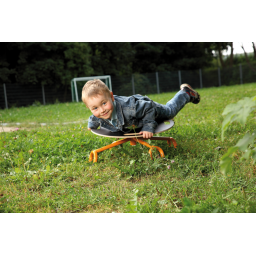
column 93, row 88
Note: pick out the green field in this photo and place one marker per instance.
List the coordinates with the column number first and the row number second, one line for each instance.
column 46, row 169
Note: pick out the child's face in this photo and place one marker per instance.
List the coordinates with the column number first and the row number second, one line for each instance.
column 101, row 105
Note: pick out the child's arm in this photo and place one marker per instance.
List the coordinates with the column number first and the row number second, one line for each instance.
column 93, row 123
column 146, row 112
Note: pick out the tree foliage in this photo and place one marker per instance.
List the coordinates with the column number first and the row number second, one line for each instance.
column 112, row 58
column 55, row 64
column 152, row 57
column 248, row 59
column 52, row 64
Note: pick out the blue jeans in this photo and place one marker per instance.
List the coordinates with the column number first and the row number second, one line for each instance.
column 173, row 106
column 177, row 102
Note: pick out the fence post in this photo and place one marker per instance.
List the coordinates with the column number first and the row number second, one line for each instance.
column 75, row 85
column 5, row 97
column 157, row 83
column 219, row 76
column 133, row 87
column 179, row 77
column 201, row 80
column 241, row 74
column 43, row 94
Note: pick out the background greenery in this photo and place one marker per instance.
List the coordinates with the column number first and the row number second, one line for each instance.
column 55, row 64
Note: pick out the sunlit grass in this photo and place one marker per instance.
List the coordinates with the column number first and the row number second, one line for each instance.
column 46, row 169
column 56, row 113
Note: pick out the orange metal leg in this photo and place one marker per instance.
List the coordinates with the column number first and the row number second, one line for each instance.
column 151, row 147
column 94, row 154
column 132, row 142
column 168, row 139
column 173, row 142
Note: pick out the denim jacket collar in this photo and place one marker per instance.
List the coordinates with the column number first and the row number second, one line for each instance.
column 119, row 113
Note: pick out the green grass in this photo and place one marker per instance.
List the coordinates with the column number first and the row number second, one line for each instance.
column 46, row 169
column 57, row 113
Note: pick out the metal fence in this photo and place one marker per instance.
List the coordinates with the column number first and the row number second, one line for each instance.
column 160, row 82
column 16, row 95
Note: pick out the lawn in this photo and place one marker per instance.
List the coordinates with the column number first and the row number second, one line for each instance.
column 35, row 115
column 47, row 169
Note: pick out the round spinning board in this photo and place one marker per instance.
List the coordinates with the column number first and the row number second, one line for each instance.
column 166, row 125
column 106, row 133
column 162, row 127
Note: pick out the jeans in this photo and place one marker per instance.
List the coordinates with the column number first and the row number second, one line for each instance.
column 177, row 102
column 173, row 106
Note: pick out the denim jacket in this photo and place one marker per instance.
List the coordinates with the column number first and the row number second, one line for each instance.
column 135, row 110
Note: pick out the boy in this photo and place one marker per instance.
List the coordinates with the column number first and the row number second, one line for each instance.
column 117, row 113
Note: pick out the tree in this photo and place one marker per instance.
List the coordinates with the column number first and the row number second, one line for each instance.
column 50, row 64
column 111, row 58
column 219, row 47
column 7, row 69
column 254, row 50
column 247, row 59
column 231, row 59
column 166, row 56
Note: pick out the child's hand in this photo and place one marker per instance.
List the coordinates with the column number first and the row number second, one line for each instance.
column 146, row 135
column 89, row 129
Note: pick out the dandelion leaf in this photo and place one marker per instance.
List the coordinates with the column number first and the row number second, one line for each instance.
column 254, row 155
column 237, row 112
column 243, row 143
column 246, row 155
column 226, row 161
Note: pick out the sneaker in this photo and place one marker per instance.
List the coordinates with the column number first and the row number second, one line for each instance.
column 194, row 96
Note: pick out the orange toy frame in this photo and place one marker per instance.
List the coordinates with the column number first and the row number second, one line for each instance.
column 133, row 141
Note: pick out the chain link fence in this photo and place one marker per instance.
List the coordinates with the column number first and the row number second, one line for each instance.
column 160, row 82
column 15, row 95
column 18, row 95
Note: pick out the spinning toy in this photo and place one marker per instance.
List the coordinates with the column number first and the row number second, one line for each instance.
column 133, row 138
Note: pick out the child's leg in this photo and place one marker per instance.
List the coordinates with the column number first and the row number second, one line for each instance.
column 184, row 96
column 177, row 103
